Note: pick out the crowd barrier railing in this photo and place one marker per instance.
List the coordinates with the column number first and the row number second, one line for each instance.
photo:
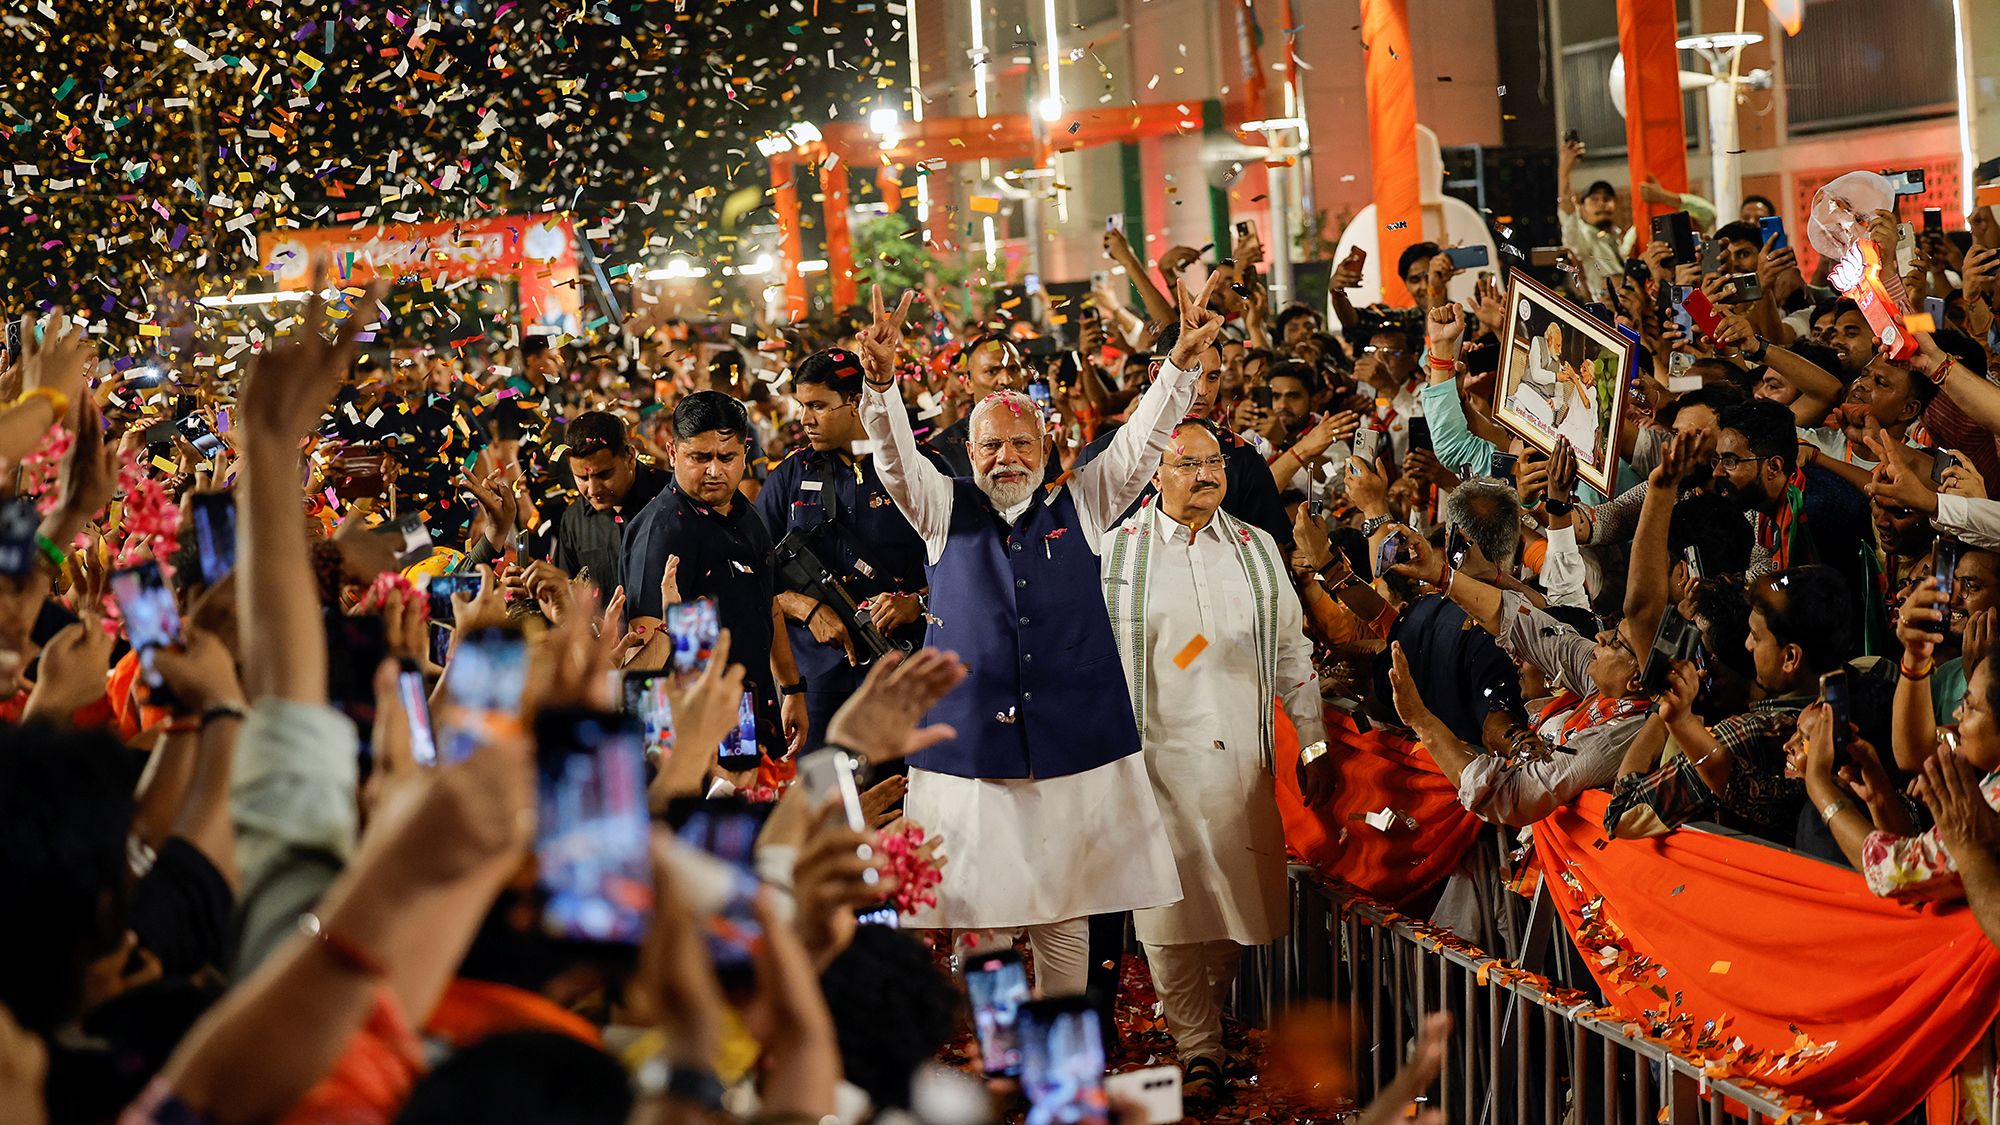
column 1521, row 1051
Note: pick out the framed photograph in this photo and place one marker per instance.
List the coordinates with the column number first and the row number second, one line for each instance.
column 1562, row 375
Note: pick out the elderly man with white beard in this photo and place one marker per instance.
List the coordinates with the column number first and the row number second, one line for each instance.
column 1210, row 632
column 1042, row 797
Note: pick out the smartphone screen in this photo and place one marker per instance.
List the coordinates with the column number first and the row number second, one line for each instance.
column 152, row 620
column 996, row 983
column 592, row 831
column 1693, row 555
column 1933, row 220
column 695, row 628
column 1503, row 466
column 1260, row 397
column 440, row 589
column 1833, row 689
column 881, row 914
column 415, row 696
column 1944, row 561
column 1062, row 1063
column 727, row 829
column 18, row 524
column 1456, row 547
column 1390, row 553
column 195, row 428
column 739, row 746
column 215, row 535
column 646, row 701
column 1040, row 393
column 482, row 690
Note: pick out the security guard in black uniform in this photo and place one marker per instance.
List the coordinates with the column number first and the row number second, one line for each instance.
column 828, row 496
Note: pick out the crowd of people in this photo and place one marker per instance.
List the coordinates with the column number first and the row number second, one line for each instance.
column 402, row 730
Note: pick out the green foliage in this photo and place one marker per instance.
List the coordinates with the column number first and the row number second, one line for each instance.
column 888, row 251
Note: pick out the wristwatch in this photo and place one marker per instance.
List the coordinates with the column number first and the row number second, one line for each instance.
column 797, row 688
column 1557, row 507
column 695, row 1085
column 1373, row 523
column 1307, row 757
column 1763, row 348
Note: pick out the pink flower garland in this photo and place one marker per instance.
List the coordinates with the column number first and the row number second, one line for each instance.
column 41, row 468
column 915, row 872
column 150, row 514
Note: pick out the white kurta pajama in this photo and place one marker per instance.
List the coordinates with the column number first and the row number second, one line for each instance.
column 1040, row 854
column 1206, row 730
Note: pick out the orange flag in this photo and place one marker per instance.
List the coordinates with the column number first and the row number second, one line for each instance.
column 1791, row 13
column 1392, row 136
column 1655, row 134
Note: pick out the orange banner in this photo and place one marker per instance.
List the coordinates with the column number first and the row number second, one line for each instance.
column 1392, row 136
column 1773, row 966
column 539, row 252
column 1394, row 828
column 1655, row 132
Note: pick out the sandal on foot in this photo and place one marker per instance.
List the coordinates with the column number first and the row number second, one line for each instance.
column 1202, row 1080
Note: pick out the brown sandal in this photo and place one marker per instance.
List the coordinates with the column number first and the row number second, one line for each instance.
column 1202, row 1081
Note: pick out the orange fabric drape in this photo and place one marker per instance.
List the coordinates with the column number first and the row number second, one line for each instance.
column 1378, row 770
column 1859, row 1004
column 791, row 243
column 1655, row 132
column 839, row 244
column 385, row 1059
column 1392, row 137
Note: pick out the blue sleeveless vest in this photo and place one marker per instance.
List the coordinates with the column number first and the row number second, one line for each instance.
column 1024, row 608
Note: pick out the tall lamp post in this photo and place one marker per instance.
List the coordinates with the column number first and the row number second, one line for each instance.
column 1725, row 169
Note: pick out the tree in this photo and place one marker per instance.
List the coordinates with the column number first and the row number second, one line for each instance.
column 888, row 251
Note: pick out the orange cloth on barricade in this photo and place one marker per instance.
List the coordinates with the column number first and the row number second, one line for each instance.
column 385, row 1060
column 1377, row 770
column 1859, row 1004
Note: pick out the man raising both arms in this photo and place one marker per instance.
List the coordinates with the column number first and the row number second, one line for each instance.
column 1053, row 813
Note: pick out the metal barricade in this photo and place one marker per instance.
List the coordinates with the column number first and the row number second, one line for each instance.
column 1518, row 1054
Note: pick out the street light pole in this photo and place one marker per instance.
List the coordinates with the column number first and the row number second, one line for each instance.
column 1725, row 168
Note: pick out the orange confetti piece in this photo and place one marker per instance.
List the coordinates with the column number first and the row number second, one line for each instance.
column 986, row 204
column 1920, row 322
column 1192, row 650
column 1719, row 967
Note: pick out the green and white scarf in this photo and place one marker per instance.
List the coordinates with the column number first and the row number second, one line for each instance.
column 1125, row 584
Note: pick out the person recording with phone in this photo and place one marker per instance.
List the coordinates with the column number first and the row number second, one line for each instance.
column 829, row 492
column 723, row 550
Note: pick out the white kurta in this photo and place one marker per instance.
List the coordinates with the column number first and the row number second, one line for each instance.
column 1202, row 740
column 1031, row 851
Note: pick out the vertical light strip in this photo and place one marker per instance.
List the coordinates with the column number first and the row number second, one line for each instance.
column 1055, row 99
column 1054, row 64
column 979, row 108
column 1967, row 162
column 978, row 59
column 917, row 115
